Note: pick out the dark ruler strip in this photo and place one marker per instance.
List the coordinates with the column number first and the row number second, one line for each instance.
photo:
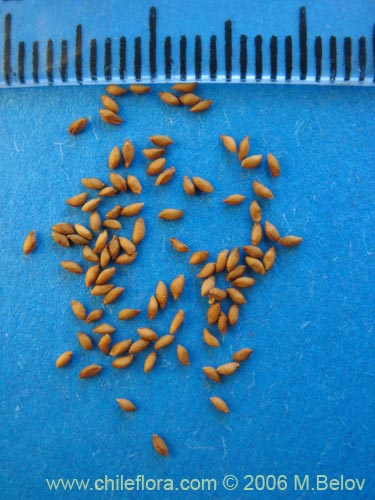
column 64, row 61
column 183, row 57
column 362, row 58
column 122, row 58
column 198, row 57
column 213, row 58
column 108, row 59
column 7, row 60
column 137, row 58
column 93, row 59
column 21, row 62
column 49, row 61
column 288, row 57
column 302, row 43
column 168, row 57
column 258, row 57
column 35, row 62
column 273, row 55
column 152, row 43
column 78, row 54
column 347, row 57
column 318, row 58
column 332, row 58
column 243, row 57
column 228, row 50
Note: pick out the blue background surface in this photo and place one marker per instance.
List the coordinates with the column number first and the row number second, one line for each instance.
column 303, row 404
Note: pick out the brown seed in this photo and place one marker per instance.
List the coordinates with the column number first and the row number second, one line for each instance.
column 255, row 211
column 169, row 98
column 177, row 286
column 108, row 191
column 229, row 143
column 222, row 323
column 91, row 275
column 255, row 264
column 89, row 255
column 30, row 243
column 243, row 282
column 202, row 184
column 71, row 266
column 114, row 247
column 236, row 272
column 133, row 184
column 105, row 257
column 123, row 362
column 126, row 314
column 139, row 231
column 113, row 295
column 114, row 157
column 171, row 214
column 118, row 182
column 91, row 205
column 156, row 166
column 207, row 285
column 138, row 346
column 256, row 234
column 148, row 334
column 165, row 176
column 83, row 231
column 138, row 88
column 183, row 355
column 221, row 260
column 190, row 99
column 273, row 165
column 126, row 405
column 132, row 209
column 207, row 270
column 271, row 231
column 228, row 368
column 233, row 259
column 290, row 241
column 112, row 224
column 115, row 90
column 219, row 404
column 77, row 126
column 152, row 308
column 114, row 213
column 120, row 347
column 128, row 152
column 95, row 221
column 233, row 313
column 236, row 296
column 234, row 199
column 252, row 161
column 269, row 258
column 150, row 362
column 161, row 140
column 253, row 251
column 77, row 239
column 61, row 239
column 209, row 339
column 213, row 313
column 99, row 290
column 243, row 148
column 110, row 117
column 153, row 153
column 188, row 186
column 161, row 294
column 85, row 341
column 201, row 106
column 94, row 315
column 159, row 444
column 164, row 341
column 64, row 359
column 177, row 321
column 127, row 245
column 63, row 228
column 185, row 86
column 104, row 329
column 261, row 190
column 211, row 373
column 242, row 354
column 198, row 257
column 77, row 200
column 217, row 293
column 90, row 371
column 92, row 183
column 126, row 259
column 179, row 245
column 78, row 309
column 109, row 103
column 101, row 241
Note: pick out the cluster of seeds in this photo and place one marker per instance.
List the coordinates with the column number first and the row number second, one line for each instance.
column 104, row 249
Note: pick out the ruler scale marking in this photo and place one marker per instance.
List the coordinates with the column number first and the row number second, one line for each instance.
column 347, row 57
column 93, row 59
column 21, row 62
column 302, row 43
column 318, row 58
column 49, row 61
column 152, row 43
column 35, row 62
column 7, row 47
column 228, row 50
column 333, row 58
column 198, row 57
column 78, row 54
column 273, row 57
column 168, row 57
column 122, row 58
column 258, row 57
column 138, row 58
column 213, row 58
column 64, row 61
column 243, row 57
column 108, row 59
column 362, row 58
column 288, row 58
column 183, row 44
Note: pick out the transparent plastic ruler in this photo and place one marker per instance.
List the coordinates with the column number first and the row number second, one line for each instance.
column 52, row 42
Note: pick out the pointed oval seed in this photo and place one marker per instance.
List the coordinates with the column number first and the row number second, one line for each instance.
column 211, row 373
column 126, row 404
column 85, row 341
column 177, row 286
column 252, row 161
column 29, row 244
column 242, row 354
column 261, row 190
column 290, row 241
column 219, row 404
column 90, row 371
column 273, row 165
column 229, row 143
column 77, row 126
column 160, row 445
column 183, row 355
column 64, row 359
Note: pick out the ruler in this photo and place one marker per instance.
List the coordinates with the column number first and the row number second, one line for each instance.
column 145, row 46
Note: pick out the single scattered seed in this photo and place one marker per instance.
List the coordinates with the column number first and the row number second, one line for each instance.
column 252, row 161
column 177, row 321
column 243, row 148
column 89, row 255
column 126, row 259
column 30, row 243
column 101, row 241
column 95, row 221
column 242, row 354
column 159, row 444
column 94, row 315
column 64, row 359
column 188, row 186
column 233, row 313
column 78, row 200
column 99, row 290
column 123, row 362
column 126, row 314
column 221, row 260
column 60, row 239
column 161, row 294
column 85, row 341
column 183, row 355
column 253, row 251
column 139, row 230
column 108, row 191
column 138, row 346
column 120, row 347
column 126, row 405
column 133, row 184
column 83, row 231
column 115, row 90
column 91, row 275
column 77, row 239
column 217, row 293
column 177, row 286
column 256, row 233
column 185, row 86
column 77, row 126
column 156, row 166
column 118, row 182
column 127, row 245
column 153, row 153
column 132, row 209
column 109, row 103
column 234, row 199
column 114, row 247
column 71, row 266
column 190, row 99
column 198, row 257
column 213, row 313
column 219, row 404
column 179, row 245
column 128, row 152
column 113, row 295
column 255, row 264
column 207, row 270
column 290, row 241
column 148, row 334
column 255, row 211
column 201, row 106
column 165, row 176
column 114, row 213
column 138, row 88
column 261, row 190
column 164, row 341
column 112, row 224
column 236, row 296
column 169, row 98
column 243, row 282
column 92, row 183
column 207, row 285
column 105, row 257
column 273, row 165
column 211, row 373
column 235, row 273
column 229, row 143
column 104, row 329
column 209, row 339
column 202, row 184
column 78, row 309
column 271, row 231
column 150, row 362
column 91, row 205
column 269, row 258
column 63, row 228
column 90, row 371
column 233, row 259
column 228, row 368
column 171, row 214
column 222, row 323
column 161, row 140
column 110, row 117
column 114, row 157
column 152, row 308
